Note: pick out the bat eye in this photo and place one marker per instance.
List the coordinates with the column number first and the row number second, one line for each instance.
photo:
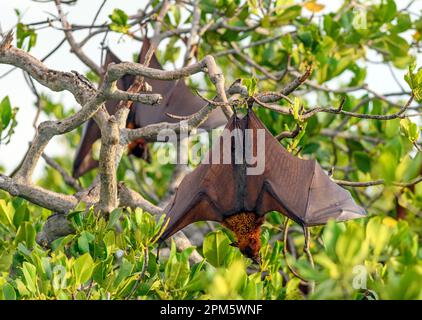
column 234, row 244
column 248, row 252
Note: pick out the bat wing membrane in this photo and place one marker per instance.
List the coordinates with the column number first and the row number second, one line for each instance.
column 178, row 99
column 191, row 203
column 299, row 188
column 205, row 194
column 84, row 161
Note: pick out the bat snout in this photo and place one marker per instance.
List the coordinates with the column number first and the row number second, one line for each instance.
column 256, row 260
column 251, row 253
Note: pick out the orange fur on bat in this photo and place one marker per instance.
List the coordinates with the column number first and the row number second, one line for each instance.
column 247, row 229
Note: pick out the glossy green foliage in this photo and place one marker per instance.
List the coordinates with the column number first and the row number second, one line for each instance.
column 7, row 120
column 379, row 257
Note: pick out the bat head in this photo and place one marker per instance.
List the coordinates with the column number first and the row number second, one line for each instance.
column 247, row 229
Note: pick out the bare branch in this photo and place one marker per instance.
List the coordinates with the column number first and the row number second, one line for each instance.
column 132, row 199
column 292, row 86
column 377, row 182
column 52, row 79
column 150, row 132
column 398, row 114
column 107, row 167
column 72, row 42
column 47, row 199
column 289, row 134
column 193, row 39
column 68, row 179
column 48, row 129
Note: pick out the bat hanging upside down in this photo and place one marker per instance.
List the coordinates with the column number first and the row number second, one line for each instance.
column 178, row 100
column 225, row 193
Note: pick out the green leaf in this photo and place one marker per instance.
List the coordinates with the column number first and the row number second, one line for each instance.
column 409, row 167
column 114, row 217
column 30, row 276
column 410, row 129
column 177, row 268
column 84, row 240
column 24, row 32
column 296, row 108
column 124, row 271
column 119, row 20
column 330, row 236
column 5, row 113
column 292, row 290
column 403, row 23
column 397, row 45
column 230, row 35
column 350, row 247
column 119, row 17
column 378, row 234
column 7, row 213
column 8, row 292
column 26, row 233
column 216, row 247
column 415, row 81
column 388, row 10
column 331, row 26
column 310, row 148
column 83, row 267
column 392, row 128
column 251, row 85
column 207, row 6
column 385, row 166
column 362, row 160
column 289, row 14
column 21, row 215
column 61, row 242
column 306, row 38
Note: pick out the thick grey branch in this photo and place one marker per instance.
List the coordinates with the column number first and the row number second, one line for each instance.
column 69, row 180
column 108, row 179
column 132, row 199
column 48, row 129
column 47, row 199
column 150, row 132
column 52, row 79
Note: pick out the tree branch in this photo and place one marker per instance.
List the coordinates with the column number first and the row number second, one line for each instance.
column 75, row 48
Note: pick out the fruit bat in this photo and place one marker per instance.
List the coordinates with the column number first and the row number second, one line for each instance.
column 225, row 193
column 177, row 100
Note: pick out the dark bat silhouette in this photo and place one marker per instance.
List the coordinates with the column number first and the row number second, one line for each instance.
column 297, row 188
column 178, row 100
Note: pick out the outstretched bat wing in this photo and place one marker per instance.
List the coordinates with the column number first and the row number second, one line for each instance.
column 206, row 194
column 178, row 100
column 192, row 202
column 298, row 188
column 83, row 160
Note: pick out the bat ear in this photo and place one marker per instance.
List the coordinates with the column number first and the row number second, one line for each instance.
column 141, row 58
column 110, row 57
column 234, row 244
column 126, row 81
column 145, row 47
